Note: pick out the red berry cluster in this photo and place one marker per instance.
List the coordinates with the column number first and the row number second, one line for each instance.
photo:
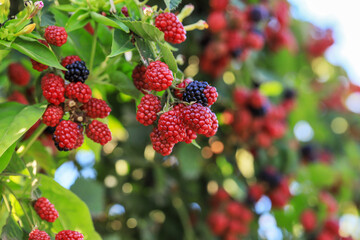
column 277, row 31
column 256, row 121
column 320, row 41
column 272, row 184
column 228, row 218
column 172, row 28
column 47, row 212
column 181, row 120
column 234, row 34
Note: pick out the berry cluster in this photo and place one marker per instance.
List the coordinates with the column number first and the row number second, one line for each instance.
column 47, row 212
column 255, row 121
column 182, row 119
column 320, row 41
column 235, row 33
column 228, row 218
column 272, row 184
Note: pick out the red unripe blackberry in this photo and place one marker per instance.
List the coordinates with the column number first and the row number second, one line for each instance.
column 308, row 220
column 98, row 132
column 38, row 66
column 70, row 60
column 96, row 108
column 89, row 28
column 278, row 198
column 55, row 35
column 254, row 40
column 18, row 74
column 171, row 126
column 66, row 135
column 52, row 115
column 218, row 223
column 78, row 91
column 69, row 235
column 80, row 139
column 256, row 191
column 138, row 76
column 238, row 227
column 219, row 5
column 179, row 92
column 158, row 76
column 275, row 129
column 38, row 235
column 219, row 197
column 53, row 87
column 198, row 118
column 46, row 210
column 124, row 10
column 172, row 28
column 231, row 236
column 217, row 21
column 17, row 96
column 234, row 209
column 256, row 99
column 214, row 125
column 211, row 94
column 147, row 110
column 160, row 145
column 332, row 226
column 325, row 235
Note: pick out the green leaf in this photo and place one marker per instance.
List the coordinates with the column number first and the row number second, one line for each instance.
column 6, row 157
column 172, row 4
column 144, row 49
column 15, row 120
column 4, row 214
column 121, row 43
column 124, row 84
column 66, row 7
column 5, row 43
column 11, row 230
column 168, row 57
column 92, row 193
column 78, row 20
column 37, row 51
column 145, row 30
column 108, row 21
column 42, row 156
column 47, row 19
column 73, row 213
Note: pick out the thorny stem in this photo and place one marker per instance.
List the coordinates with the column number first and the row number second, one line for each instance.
column 93, row 47
column 24, row 148
column 21, row 205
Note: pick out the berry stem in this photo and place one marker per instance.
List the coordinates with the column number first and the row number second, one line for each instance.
column 26, row 145
column 184, row 218
column 93, row 47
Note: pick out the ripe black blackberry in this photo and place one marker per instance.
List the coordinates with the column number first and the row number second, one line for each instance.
column 194, row 92
column 77, row 72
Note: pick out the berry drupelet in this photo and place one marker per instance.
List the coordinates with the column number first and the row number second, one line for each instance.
column 170, row 25
column 69, row 235
column 138, row 76
column 77, row 72
column 46, row 210
column 158, row 76
column 52, row 115
column 66, row 135
column 78, row 91
column 98, row 132
column 96, row 108
column 38, row 235
column 56, row 35
column 148, row 108
column 18, row 75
